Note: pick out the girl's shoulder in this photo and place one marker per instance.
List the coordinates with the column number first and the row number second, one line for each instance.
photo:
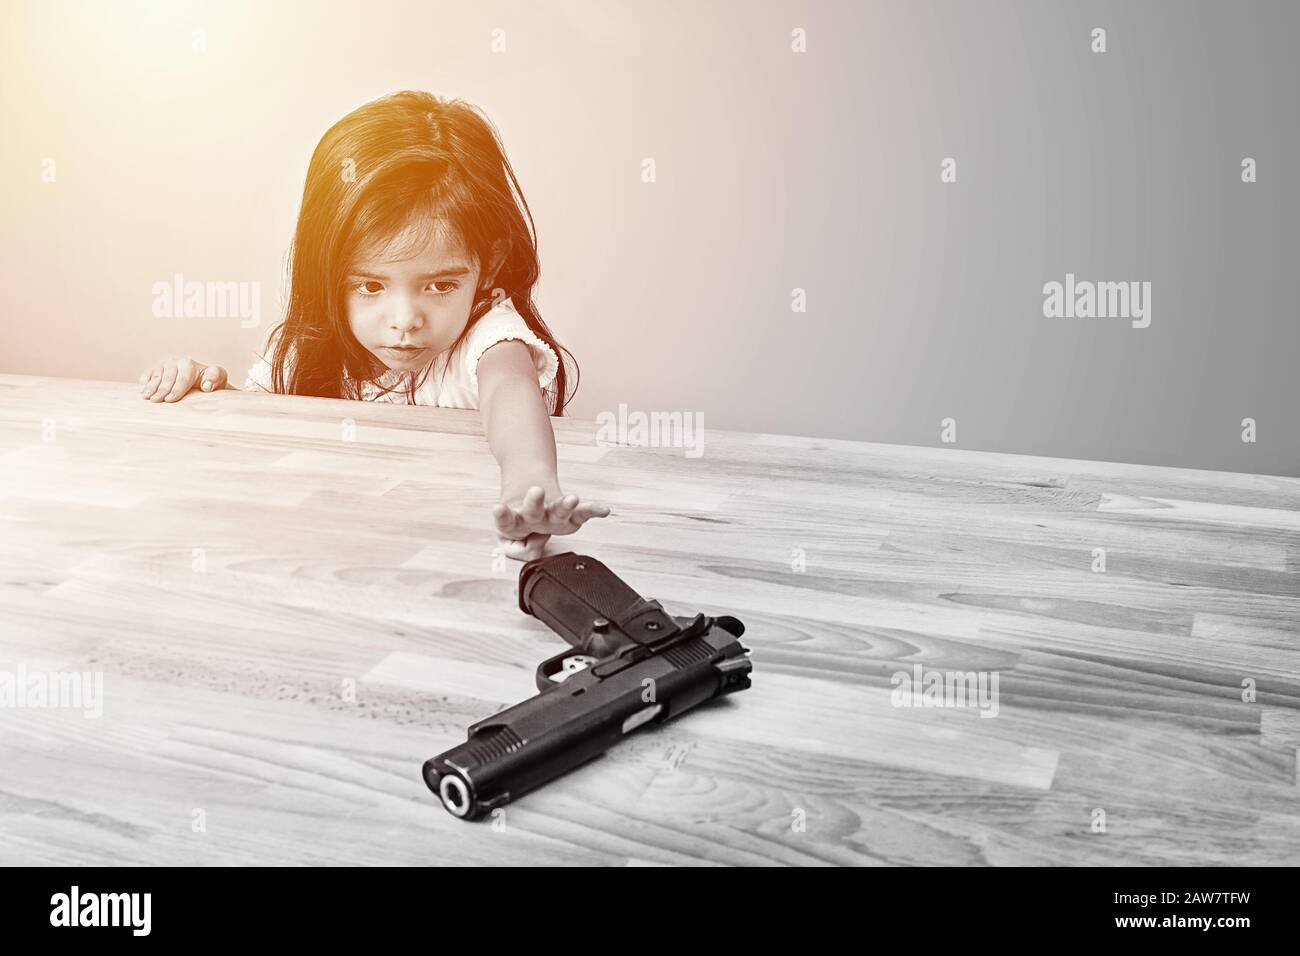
column 501, row 323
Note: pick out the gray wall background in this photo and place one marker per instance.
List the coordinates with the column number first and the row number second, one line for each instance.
column 776, row 170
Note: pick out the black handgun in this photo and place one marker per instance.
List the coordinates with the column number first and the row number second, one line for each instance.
column 630, row 664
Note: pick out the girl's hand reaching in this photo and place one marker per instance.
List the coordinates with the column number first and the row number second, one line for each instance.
column 172, row 380
column 525, row 522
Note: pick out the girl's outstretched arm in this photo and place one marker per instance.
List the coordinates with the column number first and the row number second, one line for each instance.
column 518, row 429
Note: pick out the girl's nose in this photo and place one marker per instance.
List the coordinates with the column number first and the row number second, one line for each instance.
column 405, row 316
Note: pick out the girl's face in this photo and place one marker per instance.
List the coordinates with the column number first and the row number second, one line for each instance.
column 406, row 311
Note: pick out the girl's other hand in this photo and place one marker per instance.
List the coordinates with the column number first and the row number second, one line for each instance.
column 172, row 380
column 525, row 523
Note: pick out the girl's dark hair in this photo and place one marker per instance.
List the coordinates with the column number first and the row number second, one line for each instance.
column 406, row 157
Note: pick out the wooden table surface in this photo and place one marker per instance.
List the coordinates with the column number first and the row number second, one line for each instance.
column 294, row 602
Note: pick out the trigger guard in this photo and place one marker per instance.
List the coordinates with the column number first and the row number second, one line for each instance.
column 555, row 665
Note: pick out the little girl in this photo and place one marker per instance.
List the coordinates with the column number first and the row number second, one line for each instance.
column 411, row 280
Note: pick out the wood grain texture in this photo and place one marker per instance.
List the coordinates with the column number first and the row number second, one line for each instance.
column 235, row 564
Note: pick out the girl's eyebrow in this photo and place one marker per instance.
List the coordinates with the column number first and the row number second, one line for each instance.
column 449, row 272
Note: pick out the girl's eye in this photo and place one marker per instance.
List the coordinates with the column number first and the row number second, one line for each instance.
column 364, row 287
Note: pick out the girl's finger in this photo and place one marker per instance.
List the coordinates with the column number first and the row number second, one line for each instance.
column 525, row 549
column 592, row 509
column 534, row 505
column 184, row 381
column 213, row 378
column 531, row 547
column 561, row 510
column 165, row 383
column 506, row 519
column 150, row 384
column 509, row 546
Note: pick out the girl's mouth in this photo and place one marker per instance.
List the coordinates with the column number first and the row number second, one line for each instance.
column 405, row 353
